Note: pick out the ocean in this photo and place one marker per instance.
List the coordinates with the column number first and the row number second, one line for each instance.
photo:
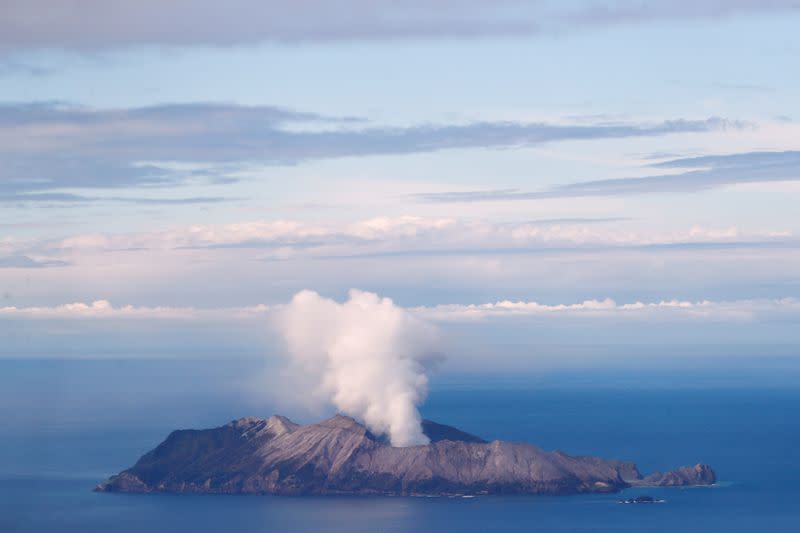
column 67, row 429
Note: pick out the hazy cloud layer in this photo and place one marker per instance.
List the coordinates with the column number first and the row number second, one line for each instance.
column 484, row 336
column 288, row 239
column 664, row 309
column 104, row 24
column 45, row 148
column 11, row 67
column 604, row 12
column 706, row 172
column 417, row 260
column 103, row 309
column 735, row 311
column 23, row 261
column 59, row 199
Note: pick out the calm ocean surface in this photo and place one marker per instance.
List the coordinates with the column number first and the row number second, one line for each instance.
column 49, row 461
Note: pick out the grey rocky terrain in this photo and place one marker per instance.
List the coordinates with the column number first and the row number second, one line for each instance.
column 340, row 456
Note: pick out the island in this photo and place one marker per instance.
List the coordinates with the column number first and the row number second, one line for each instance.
column 340, row 456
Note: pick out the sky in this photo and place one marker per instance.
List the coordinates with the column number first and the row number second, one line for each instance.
column 533, row 178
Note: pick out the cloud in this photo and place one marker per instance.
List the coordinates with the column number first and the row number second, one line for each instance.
column 46, row 148
column 59, row 199
column 312, row 323
column 99, row 24
column 103, row 309
column 418, row 259
column 404, row 234
column 10, row 68
column 23, row 261
column 605, row 12
column 712, row 171
column 421, row 260
column 698, row 173
column 486, row 336
column 608, row 308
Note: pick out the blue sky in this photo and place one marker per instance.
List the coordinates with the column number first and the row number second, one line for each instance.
column 504, row 170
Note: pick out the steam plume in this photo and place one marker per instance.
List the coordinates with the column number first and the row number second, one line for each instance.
column 366, row 356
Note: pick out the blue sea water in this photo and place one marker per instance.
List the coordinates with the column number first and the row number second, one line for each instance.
column 55, row 448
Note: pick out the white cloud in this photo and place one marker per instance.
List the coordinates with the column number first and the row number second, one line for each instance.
column 393, row 235
column 608, row 308
column 103, row 309
column 736, row 310
column 265, row 261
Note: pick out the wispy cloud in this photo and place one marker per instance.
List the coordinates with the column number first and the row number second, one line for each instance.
column 732, row 311
column 59, row 199
column 96, row 24
column 10, row 67
column 745, row 310
column 47, row 148
column 404, row 236
column 603, row 13
column 700, row 173
column 103, row 309
column 23, row 261
column 204, row 22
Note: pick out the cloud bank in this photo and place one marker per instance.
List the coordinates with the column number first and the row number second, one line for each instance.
column 366, row 356
column 289, row 239
column 329, row 363
column 103, row 309
column 696, row 174
column 103, row 24
column 48, row 149
column 309, row 312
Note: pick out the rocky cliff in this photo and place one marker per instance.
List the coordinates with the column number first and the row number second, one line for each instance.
column 340, row 456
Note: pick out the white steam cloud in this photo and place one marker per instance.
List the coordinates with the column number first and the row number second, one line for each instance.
column 366, row 356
